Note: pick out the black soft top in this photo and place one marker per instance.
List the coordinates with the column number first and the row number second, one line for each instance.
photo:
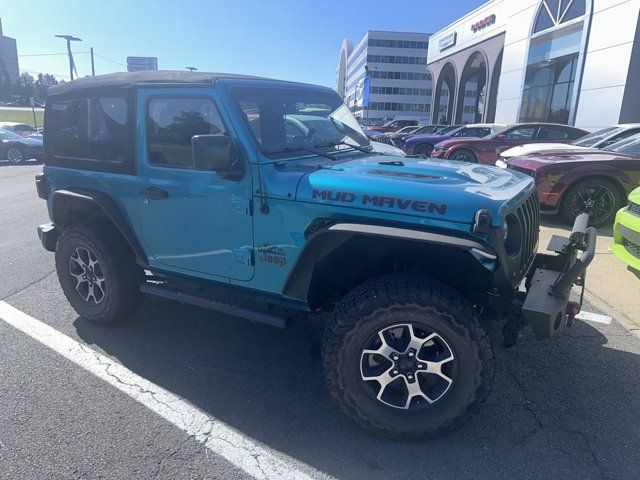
column 113, row 81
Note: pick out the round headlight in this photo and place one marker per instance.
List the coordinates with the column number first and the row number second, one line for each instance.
column 512, row 235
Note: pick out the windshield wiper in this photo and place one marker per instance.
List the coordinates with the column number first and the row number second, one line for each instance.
column 357, row 147
column 300, row 149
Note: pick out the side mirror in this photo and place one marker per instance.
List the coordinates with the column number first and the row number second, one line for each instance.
column 214, row 153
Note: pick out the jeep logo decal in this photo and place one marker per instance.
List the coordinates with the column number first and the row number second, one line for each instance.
column 380, row 201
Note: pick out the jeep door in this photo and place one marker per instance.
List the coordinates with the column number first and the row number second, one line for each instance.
column 193, row 220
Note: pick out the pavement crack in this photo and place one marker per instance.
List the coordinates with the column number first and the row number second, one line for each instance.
column 30, row 284
column 528, row 404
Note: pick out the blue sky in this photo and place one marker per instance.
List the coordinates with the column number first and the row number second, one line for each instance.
column 287, row 39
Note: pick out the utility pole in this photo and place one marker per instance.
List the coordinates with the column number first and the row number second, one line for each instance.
column 72, row 65
column 93, row 65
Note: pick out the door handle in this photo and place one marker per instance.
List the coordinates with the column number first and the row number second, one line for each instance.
column 154, row 192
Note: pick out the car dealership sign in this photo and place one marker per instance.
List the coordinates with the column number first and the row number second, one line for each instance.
column 484, row 23
column 448, row 41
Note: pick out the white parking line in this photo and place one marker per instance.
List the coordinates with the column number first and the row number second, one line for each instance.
column 212, row 433
column 594, row 317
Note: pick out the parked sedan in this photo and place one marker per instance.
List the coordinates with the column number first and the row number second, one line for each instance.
column 399, row 138
column 570, row 182
column 486, row 150
column 18, row 149
column 423, row 144
column 600, row 139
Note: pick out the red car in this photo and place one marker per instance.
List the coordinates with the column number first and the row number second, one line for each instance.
column 570, row 182
column 487, row 150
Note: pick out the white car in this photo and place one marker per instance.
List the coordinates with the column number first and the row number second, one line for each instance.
column 600, row 139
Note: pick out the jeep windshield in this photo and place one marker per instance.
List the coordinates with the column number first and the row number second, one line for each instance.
column 289, row 122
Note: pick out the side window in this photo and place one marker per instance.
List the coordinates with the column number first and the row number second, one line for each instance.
column 549, row 133
column 523, row 133
column 90, row 128
column 172, row 122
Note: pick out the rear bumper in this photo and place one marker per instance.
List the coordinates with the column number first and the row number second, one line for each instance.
column 48, row 234
column 547, row 307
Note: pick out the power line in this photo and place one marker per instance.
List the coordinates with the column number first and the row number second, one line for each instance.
column 109, row 60
column 45, row 54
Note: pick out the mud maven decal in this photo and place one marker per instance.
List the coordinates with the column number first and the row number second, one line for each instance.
column 380, row 201
column 272, row 254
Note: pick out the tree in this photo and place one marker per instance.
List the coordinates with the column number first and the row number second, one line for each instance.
column 44, row 81
column 25, row 86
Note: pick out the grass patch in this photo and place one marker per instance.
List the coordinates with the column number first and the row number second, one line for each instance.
column 21, row 116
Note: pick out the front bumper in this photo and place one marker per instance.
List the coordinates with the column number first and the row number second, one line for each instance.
column 547, row 307
column 626, row 238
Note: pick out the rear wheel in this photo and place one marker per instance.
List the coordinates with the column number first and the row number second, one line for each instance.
column 464, row 156
column 15, row 155
column 599, row 198
column 98, row 274
column 406, row 357
column 424, row 149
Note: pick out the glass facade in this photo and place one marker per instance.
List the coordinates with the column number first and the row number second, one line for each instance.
column 554, row 55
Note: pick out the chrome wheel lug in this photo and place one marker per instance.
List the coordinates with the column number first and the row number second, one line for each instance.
column 411, row 354
column 395, row 372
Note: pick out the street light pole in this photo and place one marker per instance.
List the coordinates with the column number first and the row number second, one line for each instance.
column 72, row 65
column 191, row 69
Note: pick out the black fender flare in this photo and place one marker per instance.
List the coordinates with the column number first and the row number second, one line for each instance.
column 329, row 237
column 60, row 199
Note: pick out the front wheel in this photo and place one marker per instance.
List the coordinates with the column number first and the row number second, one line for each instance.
column 15, row 155
column 599, row 198
column 424, row 149
column 405, row 357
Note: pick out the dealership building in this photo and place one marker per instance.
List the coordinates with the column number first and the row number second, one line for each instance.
column 385, row 76
column 9, row 69
column 566, row 61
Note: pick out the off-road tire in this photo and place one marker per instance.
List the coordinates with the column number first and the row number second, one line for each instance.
column 392, row 298
column 424, row 149
column 617, row 201
column 123, row 276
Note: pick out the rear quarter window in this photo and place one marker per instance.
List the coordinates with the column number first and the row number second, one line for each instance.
column 93, row 128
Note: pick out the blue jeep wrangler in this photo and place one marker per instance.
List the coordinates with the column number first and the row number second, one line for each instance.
column 263, row 199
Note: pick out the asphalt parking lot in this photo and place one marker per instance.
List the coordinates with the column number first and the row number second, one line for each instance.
column 564, row 408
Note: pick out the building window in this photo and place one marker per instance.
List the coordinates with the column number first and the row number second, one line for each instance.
column 553, row 60
column 553, row 13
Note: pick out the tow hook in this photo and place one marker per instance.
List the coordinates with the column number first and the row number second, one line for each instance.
column 573, row 309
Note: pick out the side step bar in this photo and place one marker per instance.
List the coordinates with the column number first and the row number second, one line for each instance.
column 210, row 303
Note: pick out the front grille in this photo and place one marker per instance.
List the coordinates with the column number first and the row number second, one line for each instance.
column 634, row 209
column 529, row 215
column 632, row 248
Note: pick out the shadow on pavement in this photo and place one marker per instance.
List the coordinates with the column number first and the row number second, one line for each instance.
column 563, row 408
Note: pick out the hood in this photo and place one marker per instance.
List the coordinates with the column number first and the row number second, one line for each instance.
column 466, row 141
column 28, row 142
column 560, row 156
column 634, row 196
column 415, row 139
column 537, row 148
column 442, row 190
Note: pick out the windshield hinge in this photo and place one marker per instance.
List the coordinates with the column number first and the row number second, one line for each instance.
column 244, row 255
